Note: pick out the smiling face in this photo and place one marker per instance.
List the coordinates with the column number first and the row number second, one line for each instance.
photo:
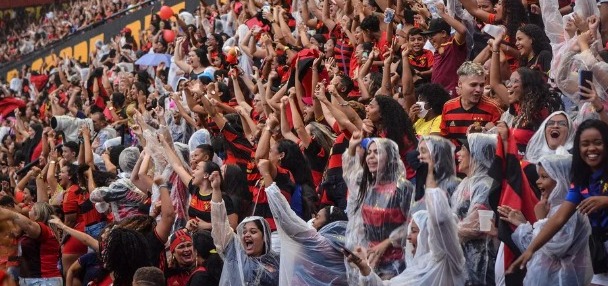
column 437, row 39
column 523, row 43
column 556, row 131
column 412, row 236
column 184, row 254
column 545, row 183
column 463, row 157
column 471, row 88
column 592, row 148
column 253, row 239
column 416, row 42
column 514, row 88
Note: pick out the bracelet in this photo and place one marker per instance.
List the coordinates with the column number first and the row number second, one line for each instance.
column 52, row 162
column 496, row 52
column 344, row 103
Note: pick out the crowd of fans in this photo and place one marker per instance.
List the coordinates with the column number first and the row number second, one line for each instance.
column 26, row 29
column 339, row 142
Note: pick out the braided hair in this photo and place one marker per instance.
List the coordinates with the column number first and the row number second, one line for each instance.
column 125, row 243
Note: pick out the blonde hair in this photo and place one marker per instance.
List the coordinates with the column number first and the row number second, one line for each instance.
column 42, row 212
column 469, row 68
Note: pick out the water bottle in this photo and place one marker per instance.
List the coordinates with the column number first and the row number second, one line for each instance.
column 430, row 4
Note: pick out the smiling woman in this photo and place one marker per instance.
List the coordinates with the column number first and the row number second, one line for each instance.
column 587, row 196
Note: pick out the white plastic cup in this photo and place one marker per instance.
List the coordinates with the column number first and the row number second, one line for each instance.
column 485, row 220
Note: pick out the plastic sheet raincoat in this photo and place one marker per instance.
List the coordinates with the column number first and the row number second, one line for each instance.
column 308, row 256
column 442, row 152
column 239, row 268
column 472, row 195
column 439, row 259
column 378, row 206
column 565, row 259
column 538, row 147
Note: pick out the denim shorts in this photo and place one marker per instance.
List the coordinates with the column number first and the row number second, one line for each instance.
column 55, row 281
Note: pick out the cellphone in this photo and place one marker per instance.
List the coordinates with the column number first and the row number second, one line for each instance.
column 389, row 14
column 584, row 76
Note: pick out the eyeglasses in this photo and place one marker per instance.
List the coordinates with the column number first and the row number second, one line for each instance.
column 560, row 123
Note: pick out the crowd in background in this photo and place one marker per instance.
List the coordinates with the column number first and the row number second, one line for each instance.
column 26, row 29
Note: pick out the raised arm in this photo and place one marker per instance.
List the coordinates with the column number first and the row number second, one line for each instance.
column 461, row 29
column 475, row 11
column 285, row 217
column 167, row 213
column 298, row 123
column 79, row 235
column 221, row 231
column 179, row 58
column 28, row 226
column 285, row 128
column 175, row 162
column 495, row 74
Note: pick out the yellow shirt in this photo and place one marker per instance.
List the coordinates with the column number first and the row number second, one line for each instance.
column 423, row 127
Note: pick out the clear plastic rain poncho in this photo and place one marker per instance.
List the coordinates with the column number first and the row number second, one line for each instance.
column 439, row 259
column 472, row 195
column 383, row 209
column 200, row 137
column 567, row 61
column 308, row 256
column 538, row 147
column 239, row 268
column 122, row 196
column 179, row 190
column 565, row 259
column 442, row 152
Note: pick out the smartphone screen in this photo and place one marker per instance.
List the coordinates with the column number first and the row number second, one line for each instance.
column 584, row 76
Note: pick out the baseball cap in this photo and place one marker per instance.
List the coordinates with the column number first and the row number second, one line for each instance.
column 436, row 26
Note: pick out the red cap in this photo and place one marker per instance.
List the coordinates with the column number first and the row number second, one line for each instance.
column 126, row 30
column 178, row 238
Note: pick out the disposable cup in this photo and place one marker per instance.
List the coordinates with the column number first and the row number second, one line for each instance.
column 485, row 220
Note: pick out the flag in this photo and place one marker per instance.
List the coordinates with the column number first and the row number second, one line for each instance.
column 9, row 104
column 513, row 189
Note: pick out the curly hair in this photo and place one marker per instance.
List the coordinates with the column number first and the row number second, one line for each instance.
column 395, row 122
column 536, row 97
column 125, row 251
column 514, row 14
column 540, row 41
column 434, row 94
column 139, row 223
